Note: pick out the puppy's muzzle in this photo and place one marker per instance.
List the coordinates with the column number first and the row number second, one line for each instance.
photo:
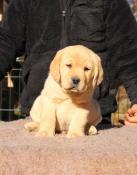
column 75, row 81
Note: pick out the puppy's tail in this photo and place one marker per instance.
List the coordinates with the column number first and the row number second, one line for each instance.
column 31, row 126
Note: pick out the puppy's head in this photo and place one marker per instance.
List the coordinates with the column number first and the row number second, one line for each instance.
column 77, row 69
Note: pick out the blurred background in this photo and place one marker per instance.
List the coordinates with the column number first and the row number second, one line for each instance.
column 11, row 86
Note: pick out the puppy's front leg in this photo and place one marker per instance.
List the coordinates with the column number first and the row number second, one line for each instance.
column 78, row 124
column 48, row 120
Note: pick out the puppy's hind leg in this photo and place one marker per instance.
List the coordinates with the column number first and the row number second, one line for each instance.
column 31, row 126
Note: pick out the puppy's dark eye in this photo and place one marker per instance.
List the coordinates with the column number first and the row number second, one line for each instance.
column 69, row 65
column 86, row 69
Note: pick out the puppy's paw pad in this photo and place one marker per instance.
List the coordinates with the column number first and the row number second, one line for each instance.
column 92, row 130
column 30, row 126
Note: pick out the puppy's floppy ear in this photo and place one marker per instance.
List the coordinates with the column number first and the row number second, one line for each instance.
column 55, row 66
column 98, row 72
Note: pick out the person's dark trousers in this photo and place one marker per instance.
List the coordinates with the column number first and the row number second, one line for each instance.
column 106, row 119
column 105, row 123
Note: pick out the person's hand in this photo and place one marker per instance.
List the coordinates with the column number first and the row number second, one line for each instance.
column 131, row 116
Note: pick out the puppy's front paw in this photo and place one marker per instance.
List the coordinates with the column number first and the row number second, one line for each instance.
column 92, row 130
column 74, row 134
column 44, row 134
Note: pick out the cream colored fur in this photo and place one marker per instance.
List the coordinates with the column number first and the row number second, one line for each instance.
column 64, row 106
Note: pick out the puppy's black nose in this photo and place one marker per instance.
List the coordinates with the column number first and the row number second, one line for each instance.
column 75, row 80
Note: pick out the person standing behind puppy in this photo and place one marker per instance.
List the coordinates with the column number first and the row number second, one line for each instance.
column 38, row 28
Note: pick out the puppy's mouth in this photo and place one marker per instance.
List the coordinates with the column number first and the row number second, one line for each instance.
column 74, row 90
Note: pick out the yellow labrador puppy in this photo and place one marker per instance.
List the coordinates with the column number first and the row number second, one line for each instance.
column 66, row 103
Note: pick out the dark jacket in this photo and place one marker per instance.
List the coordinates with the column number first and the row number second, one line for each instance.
column 38, row 29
